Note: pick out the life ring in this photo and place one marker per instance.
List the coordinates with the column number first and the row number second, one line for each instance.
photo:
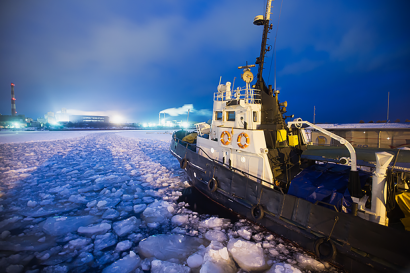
column 225, row 133
column 213, row 184
column 331, row 253
column 257, row 212
column 247, row 140
column 183, row 163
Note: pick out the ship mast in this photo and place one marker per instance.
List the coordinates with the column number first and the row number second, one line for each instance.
column 266, row 28
column 271, row 110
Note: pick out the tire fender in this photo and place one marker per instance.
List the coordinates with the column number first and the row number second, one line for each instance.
column 257, row 212
column 331, row 255
column 213, row 184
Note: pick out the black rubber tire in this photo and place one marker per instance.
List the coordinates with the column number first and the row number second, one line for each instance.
column 257, row 212
column 331, row 255
column 213, row 184
column 184, row 163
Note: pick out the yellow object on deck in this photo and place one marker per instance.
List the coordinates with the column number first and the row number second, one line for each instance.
column 403, row 200
column 281, row 135
column 293, row 140
column 190, row 138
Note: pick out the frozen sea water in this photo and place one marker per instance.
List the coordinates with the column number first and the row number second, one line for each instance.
column 107, row 202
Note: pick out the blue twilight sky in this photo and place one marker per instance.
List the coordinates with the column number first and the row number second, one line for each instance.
column 137, row 58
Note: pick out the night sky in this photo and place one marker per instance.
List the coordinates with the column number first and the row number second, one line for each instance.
column 136, row 58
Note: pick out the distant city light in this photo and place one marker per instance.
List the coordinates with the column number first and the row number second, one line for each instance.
column 117, row 119
column 166, row 123
column 16, row 125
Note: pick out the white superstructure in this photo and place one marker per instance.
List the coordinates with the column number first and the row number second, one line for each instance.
column 234, row 138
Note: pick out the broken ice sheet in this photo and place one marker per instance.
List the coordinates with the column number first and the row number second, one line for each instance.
column 159, row 211
column 174, row 246
column 110, row 214
column 158, row 266
column 214, row 222
column 12, row 223
column 248, row 255
column 216, row 235
column 95, row 229
column 139, row 208
column 65, row 224
column 179, row 220
column 124, row 265
column 26, row 243
column 48, row 210
column 217, row 259
column 126, row 226
column 104, row 241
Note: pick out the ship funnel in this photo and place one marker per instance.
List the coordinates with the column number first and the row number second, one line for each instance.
column 259, row 21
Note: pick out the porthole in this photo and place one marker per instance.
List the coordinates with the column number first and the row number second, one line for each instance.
column 195, row 174
column 243, row 159
column 212, row 150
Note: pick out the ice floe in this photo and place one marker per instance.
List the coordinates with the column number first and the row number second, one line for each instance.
column 248, row 255
column 158, row 266
column 61, row 225
column 124, row 265
column 126, row 226
column 173, row 246
column 95, row 229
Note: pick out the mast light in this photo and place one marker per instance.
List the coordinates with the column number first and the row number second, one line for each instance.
column 259, row 20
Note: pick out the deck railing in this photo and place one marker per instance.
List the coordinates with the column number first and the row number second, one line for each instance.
column 248, row 95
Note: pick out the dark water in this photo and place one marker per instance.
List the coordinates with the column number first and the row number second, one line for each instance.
column 203, row 205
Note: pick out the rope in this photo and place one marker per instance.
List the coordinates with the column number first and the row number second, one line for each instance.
column 391, row 189
column 334, row 224
column 260, row 196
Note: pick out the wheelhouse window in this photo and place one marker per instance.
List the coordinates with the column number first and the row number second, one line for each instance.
column 255, row 116
column 230, row 115
column 218, row 115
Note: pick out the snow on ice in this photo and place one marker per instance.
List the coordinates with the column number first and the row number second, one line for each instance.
column 107, row 202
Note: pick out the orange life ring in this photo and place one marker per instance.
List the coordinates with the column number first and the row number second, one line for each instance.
column 225, row 133
column 247, row 140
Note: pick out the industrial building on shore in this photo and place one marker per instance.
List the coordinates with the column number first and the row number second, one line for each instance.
column 51, row 118
column 64, row 117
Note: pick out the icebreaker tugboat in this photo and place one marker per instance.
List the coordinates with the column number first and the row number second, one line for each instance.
column 250, row 161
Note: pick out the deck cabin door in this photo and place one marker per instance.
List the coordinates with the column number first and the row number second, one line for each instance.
column 226, row 157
